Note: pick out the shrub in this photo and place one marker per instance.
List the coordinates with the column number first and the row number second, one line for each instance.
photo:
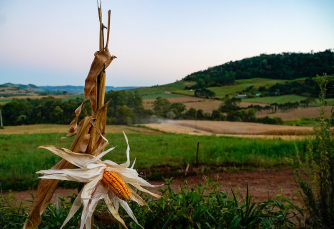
column 318, row 192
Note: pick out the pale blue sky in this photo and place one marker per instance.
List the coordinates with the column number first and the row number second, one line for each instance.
column 157, row 42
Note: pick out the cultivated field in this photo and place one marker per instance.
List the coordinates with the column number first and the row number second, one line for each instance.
column 63, row 129
column 311, row 112
column 207, row 105
column 234, row 128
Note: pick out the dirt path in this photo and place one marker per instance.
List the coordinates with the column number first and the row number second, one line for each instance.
column 262, row 184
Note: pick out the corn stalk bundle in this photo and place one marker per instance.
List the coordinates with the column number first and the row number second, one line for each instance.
column 89, row 133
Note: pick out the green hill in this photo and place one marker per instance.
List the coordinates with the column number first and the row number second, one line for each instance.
column 283, row 66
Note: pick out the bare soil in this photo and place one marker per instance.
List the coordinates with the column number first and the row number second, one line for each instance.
column 263, row 184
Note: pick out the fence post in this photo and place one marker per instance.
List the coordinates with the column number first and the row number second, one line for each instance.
column 197, row 154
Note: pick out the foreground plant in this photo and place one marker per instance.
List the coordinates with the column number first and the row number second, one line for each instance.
column 105, row 180
column 318, row 191
column 89, row 133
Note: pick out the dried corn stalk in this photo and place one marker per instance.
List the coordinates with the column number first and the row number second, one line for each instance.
column 90, row 131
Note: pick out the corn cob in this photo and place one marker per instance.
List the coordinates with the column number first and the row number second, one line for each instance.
column 116, row 185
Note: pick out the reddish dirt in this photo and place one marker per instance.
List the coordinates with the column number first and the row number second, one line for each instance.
column 263, row 184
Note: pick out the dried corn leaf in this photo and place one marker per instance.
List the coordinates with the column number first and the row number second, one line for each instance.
column 74, row 123
column 45, row 191
column 93, row 99
column 99, row 145
column 98, row 130
column 101, row 61
column 47, row 187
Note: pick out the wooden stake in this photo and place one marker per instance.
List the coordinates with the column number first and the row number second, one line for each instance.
column 197, row 154
column 1, row 119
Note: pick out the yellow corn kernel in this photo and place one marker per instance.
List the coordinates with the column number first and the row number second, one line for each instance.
column 117, row 185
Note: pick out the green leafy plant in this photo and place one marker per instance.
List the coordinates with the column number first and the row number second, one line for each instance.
column 317, row 191
column 208, row 207
column 204, row 206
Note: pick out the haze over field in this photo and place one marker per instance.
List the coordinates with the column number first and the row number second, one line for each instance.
column 52, row 43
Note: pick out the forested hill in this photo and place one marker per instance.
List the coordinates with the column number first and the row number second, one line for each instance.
column 274, row 66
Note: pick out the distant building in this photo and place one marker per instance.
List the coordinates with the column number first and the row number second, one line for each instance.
column 258, row 94
column 242, row 95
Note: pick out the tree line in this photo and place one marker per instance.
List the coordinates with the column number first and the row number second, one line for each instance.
column 286, row 65
column 231, row 112
column 125, row 107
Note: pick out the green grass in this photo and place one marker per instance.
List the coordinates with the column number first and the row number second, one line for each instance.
column 69, row 97
column 156, row 91
column 238, row 87
column 275, row 99
column 20, row 158
column 330, row 102
column 5, row 100
column 162, row 95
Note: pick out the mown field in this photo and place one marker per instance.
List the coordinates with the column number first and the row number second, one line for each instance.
column 20, row 157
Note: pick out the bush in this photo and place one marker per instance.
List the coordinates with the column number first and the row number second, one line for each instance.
column 318, row 192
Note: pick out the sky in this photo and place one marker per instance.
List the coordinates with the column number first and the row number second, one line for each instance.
column 156, row 42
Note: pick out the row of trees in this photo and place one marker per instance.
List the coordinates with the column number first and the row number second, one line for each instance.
column 125, row 107
column 165, row 109
column 273, row 66
column 232, row 105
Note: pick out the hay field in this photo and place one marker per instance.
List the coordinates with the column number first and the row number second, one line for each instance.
column 230, row 128
column 311, row 112
column 62, row 129
column 207, row 105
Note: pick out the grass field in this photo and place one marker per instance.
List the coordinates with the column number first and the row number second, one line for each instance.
column 164, row 91
column 276, row 99
column 62, row 97
column 237, row 88
column 20, row 158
